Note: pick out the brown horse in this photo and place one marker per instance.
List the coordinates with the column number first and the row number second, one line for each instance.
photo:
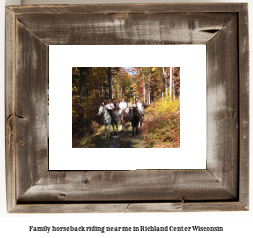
column 135, row 119
column 124, row 118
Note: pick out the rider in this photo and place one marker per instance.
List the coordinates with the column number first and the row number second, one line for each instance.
column 127, row 108
column 140, row 108
column 135, row 105
column 123, row 111
column 122, row 106
column 110, row 106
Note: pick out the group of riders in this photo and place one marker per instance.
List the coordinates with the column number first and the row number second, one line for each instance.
column 125, row 110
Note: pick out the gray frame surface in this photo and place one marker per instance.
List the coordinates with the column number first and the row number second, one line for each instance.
column 223, row 186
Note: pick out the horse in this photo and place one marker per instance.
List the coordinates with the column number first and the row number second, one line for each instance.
column 135, row 119
column 124, row 118
column 108, row 119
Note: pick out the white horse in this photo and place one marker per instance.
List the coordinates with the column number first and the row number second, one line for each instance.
column 108, row 120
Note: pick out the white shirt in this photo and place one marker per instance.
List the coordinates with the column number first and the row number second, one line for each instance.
column 139, row 105
column 122, row 105
column 110, row 106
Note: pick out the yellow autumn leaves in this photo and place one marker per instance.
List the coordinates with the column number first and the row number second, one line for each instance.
column 164, row 105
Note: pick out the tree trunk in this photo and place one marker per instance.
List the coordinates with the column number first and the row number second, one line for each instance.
column 121, row 93
column 110, row 82
column 144, row 89
column 170, row 82
column 166, row 83
column 173, row 86
column 118, row 88
column 149, row 76
column 82, row 84
column 163, row 83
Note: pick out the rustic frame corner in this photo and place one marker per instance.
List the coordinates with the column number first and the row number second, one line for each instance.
column 223, row 186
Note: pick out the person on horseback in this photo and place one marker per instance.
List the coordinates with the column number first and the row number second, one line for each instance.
column 110, row 106
column 122, row 111
column 135, row 105
column 135, row 116
column 141, row 110
column 122, row 106
column 127, row 108
column 140, row 107
column 109, row 117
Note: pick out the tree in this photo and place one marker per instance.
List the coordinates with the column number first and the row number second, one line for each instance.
column 149, row 80
column 82, row 84
column 110, row 82
column 144, row 87
column 164, row 85
column 176, row 80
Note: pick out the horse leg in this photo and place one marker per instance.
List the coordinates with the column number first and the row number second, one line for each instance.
column 109, row 129
column 125, row 119
column 105, row 130
column 113, row 127
column 120, row 122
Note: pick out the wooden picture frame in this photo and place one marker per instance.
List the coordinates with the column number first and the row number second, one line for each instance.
column 222, row 186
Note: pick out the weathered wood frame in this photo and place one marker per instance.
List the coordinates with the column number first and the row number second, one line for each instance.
column 222, row 186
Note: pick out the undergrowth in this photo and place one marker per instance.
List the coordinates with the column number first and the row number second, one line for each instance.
column 161, row 128
column 83, row 137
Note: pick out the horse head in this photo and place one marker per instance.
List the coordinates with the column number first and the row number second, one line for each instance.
column 101, row 110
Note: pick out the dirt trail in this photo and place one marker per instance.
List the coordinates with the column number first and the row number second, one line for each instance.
column 124, row 139
column 114, row 143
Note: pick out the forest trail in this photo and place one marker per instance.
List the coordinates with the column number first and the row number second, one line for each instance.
column 123, row 139
column 114, row 143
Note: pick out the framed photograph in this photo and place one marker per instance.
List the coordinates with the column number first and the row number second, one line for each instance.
column 65, row 66
column 165, row 122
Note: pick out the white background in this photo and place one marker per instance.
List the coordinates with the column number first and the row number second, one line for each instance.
column 236, row 224
column 192, row 151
